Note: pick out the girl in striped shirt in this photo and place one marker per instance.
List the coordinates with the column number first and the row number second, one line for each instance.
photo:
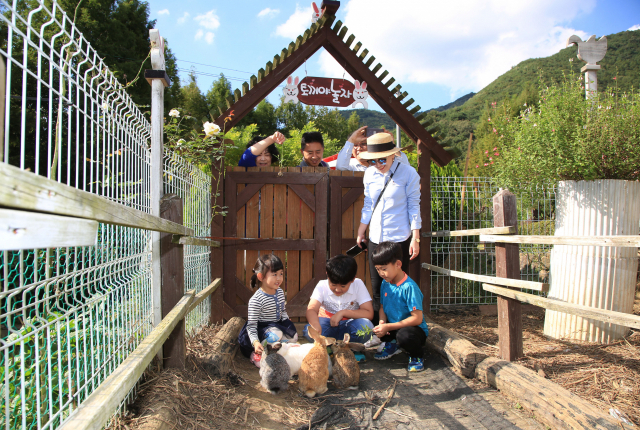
column 267, row 316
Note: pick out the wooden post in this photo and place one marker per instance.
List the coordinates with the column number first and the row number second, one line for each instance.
column 157, row 150
column 217, row 224
column 172, row 263
column 505, row 214
column 424, row 278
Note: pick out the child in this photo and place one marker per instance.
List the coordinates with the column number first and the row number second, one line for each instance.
column 267, row 317
column 401, row 323
column 261, row 151
column 341, row 304
column 312, row 148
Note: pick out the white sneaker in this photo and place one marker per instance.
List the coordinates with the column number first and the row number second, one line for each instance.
column 372, row 342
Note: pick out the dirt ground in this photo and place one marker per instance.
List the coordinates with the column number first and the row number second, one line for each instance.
column 435, row 398
column 606, row 375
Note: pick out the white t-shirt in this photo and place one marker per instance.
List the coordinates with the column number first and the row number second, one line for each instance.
column 355, row 296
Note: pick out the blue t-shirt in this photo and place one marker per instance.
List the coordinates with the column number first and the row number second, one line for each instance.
column 247, row 159
column 399, row 300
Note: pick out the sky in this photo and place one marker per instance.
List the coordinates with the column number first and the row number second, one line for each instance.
column 437, row 50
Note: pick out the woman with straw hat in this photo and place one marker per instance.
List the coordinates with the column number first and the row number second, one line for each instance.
column 391, row 204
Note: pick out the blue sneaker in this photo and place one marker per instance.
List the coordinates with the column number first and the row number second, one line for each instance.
column 387, row 350
column 415, row 364
column 271, row 337
column 360, row 358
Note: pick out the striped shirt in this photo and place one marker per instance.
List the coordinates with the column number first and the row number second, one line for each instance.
column 265, row 307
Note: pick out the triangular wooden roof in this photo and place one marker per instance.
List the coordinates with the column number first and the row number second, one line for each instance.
column 325, row 34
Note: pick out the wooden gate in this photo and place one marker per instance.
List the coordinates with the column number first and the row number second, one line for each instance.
column 280, row 212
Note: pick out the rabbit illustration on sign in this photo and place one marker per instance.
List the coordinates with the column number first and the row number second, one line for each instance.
column 360, row 94
column 291, row 90
column 315, row 15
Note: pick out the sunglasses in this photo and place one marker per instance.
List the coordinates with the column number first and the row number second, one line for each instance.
column 382, row 161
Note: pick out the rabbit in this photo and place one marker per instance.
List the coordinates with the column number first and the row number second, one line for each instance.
column 360, row 94
column 314, row 371
column 291, row 90
column 294, row 353
column 274, row 370
column 346, row 370
column 315, row 15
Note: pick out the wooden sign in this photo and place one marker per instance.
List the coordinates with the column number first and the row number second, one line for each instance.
column 326, row 91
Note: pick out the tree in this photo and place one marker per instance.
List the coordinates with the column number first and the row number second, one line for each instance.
column 216, row 97
column 265, row 118
column 194, row 102
column 353, row 123
column 331, row 124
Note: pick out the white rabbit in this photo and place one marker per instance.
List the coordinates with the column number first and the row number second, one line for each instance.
column 291, row 90
column 315, row 15
column 360, row 94
column 294, row 353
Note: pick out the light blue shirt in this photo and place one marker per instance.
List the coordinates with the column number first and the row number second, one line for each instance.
column 345, row 162
column 399, row 209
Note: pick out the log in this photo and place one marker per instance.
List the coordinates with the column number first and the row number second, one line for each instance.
column 461, row 353
column 224, row 347
column 552, row 404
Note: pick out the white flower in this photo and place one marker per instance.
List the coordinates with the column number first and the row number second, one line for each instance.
column 181, row 142
column 105, row 106
column 211, row 129
column 174, row 113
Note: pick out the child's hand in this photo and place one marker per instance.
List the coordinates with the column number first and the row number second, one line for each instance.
column 335, row 319
column 381, row 330
column 257, row 347
column 278, row 138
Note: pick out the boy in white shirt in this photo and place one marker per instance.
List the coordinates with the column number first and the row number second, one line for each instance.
column 341, row 304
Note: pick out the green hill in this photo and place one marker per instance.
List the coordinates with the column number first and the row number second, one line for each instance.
column 520, row 84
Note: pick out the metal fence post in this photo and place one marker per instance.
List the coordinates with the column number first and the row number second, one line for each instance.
column 158, row 82
column 505, row 214
column 172, row 262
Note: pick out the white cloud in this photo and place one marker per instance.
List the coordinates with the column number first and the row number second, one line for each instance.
column 163, row 12
column 199, row 34
column 208, row 37
column 268, row 13
column 183, row 18
column 209, row 20
column 635, row 27
column 462, row 44
column 296, row 24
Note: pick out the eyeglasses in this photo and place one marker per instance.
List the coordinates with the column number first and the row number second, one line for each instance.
column 382, row 161
column 361, row 146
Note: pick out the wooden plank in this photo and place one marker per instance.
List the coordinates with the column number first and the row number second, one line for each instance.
column 389, row 82
column 217, row 230
column 202, row 295
column 253, row 80
column 515, row 283
column 307, row 224
column 266, row 208
column 245, row 88
column 293, row 232
column 385, row 99
column 408, row 103
column 396, row 89
column 472, row 232
column 305, row 195
column 343, row 32
column 363, row 54
column 376, row 68
column 25, row 190
column 347, row 214
column 252, row 217
column 612, row 317
column 402, row 96
column 350, row 197
column 261, row 75
column 336, row 26
column 620, row 241
column 424, row 171
column 357, row 47
column 241, row 215
column 96, row 411
column 505, row 213
column 275, row 178
column 320, row 254
column 370, row 61
column 243, row 292
column 415, row 110
column 335, row 232
column 195, row 241
column 349, row 40
column 174, row 351
column 383, row 75
column 228, row 312
column 275, row 244
column 237, row 95
column 267, row 71
column 354, row 181
column 361, row 259
column 29, row 230
column 280, row 220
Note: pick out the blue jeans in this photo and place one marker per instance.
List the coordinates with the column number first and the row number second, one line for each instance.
column 346, row 326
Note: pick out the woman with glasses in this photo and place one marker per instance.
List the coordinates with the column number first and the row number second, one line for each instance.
column 391, row 205
column 356, row 145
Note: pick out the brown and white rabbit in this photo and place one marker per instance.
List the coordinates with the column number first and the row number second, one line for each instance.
column 346, row 371
column 314, row 371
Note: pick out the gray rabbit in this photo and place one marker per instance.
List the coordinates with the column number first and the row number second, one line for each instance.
column 274, row 369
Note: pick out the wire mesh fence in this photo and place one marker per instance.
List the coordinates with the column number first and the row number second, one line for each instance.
column 69, row 316
column 467, row 203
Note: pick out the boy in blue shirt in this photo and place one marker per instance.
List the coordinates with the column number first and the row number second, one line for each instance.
column 402, row 323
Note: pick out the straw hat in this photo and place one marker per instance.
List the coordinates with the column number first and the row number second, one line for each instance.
column 380, row 145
